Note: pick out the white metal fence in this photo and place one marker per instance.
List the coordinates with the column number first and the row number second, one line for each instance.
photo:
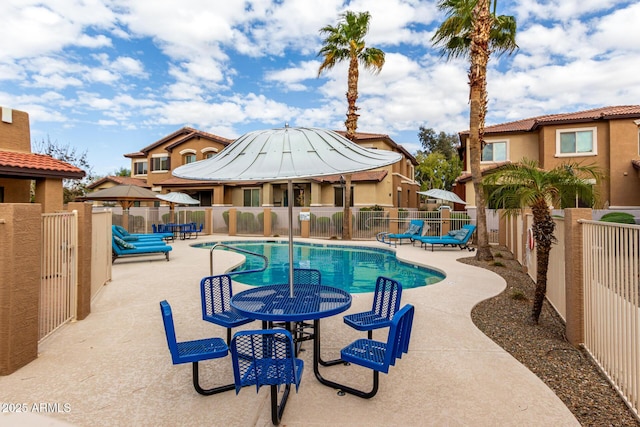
column 58, row 284
column 612, row 310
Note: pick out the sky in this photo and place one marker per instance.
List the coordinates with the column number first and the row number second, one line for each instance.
column 109, row 77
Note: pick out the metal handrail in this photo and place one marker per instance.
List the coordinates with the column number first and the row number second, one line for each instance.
column 233, row 248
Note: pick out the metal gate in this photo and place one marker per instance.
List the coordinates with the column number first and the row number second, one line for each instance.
column 59, row 280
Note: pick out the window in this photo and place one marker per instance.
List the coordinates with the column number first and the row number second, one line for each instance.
column 160, row 164
column 189, row 158
column 495, row 151
column 251, row 197
column 576, row 142
column 140, row 168
column 209, row 154
column 338, row 197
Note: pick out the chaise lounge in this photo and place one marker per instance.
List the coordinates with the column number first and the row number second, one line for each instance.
column 454, row 238
column 415, row 229
column 122, row 233
column 120, row 248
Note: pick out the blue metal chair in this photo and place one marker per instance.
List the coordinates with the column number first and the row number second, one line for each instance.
column 266, row 357
column 378, row 356
column 216, row 293
column 386, row 302
column 193, row 351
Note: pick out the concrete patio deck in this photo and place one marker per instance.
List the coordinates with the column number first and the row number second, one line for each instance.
column 114, row 368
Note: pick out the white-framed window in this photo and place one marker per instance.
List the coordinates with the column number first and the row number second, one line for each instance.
column 495, row 151
column 209, row 154
column 251, row 197
column 576, row 142
column 188, row 158
column 160, row 163
column 140, row 167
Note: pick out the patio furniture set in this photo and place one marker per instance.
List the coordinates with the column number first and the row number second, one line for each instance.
column 124, row 244
column 268, row 356
column 414, row 233
column 183, row 231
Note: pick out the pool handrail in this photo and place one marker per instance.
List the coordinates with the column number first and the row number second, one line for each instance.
column 224, row 245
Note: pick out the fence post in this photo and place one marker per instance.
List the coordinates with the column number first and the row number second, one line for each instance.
column 20, row 271
column 574, row 273
column 208, row 221
column 266, row 222
column 393, row 220
column 502, row 228
column 84, row 250
column 233, row 221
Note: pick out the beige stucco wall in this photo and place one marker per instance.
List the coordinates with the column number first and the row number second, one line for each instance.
column 16, row 136
column 20, row 253
column 601, row 160
column 623, row 179
column 16, row 190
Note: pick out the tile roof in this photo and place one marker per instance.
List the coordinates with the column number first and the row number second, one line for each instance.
column 120, row 180
column 187, row 133
column 467, row 175
column 32, row 165
column 362, row 136
column 531, row 124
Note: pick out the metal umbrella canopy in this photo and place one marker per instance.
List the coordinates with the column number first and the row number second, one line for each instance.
column 287, row 154
column 443, row 195
column 177, row 198
column 125, row 194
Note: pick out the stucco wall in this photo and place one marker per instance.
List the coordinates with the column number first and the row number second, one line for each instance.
column 20, row 253
column 16, row 136
column 622, row 175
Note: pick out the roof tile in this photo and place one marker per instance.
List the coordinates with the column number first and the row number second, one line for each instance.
column 32, row 163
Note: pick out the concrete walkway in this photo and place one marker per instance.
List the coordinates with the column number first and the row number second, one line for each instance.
column 114, row 368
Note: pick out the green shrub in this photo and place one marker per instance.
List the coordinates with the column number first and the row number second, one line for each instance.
column 166, row 218
column 225, row 218
column 323, row 223
column 619, row 217
column 195, row 216
column 247, row 222
column 274, row 219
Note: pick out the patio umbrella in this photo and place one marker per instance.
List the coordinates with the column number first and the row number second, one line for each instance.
column 287, row 154
column 125, row 194
column 443, row 195
column 177, row 198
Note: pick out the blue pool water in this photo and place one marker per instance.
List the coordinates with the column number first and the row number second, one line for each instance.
column 354, row 269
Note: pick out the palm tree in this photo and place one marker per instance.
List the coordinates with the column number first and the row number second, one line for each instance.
column 471, row 30
column 524, row 185
column 345, row 42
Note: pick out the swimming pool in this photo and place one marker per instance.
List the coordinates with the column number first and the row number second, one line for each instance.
column 354, row 269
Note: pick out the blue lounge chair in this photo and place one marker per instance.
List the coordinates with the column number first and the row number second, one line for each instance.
column 121, row 248
column 458, row 238
column 415, row 229
column 120, row 232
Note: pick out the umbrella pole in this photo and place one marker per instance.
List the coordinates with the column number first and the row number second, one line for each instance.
column 290, row 209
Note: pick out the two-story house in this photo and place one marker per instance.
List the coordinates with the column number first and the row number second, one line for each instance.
column 391, row 186
column 608, row 137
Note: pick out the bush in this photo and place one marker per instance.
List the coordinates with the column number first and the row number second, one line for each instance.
column 225, row 218
column 195, row 216
column 619, row 217
column 323, row 223
column 274, row 219
column 337, row 221
column 247, row 222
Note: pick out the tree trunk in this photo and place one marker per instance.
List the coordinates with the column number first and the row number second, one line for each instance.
column 352, row 96
column 543, row 229
column 346, row 215
column 478, row 107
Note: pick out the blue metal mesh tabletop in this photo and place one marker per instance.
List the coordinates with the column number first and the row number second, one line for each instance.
column 273, row 303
